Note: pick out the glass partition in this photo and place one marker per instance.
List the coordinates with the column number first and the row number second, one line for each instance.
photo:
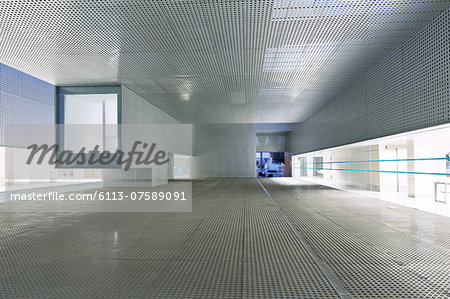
column 411, row 168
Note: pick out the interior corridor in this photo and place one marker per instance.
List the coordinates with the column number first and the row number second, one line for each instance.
column 245, row 238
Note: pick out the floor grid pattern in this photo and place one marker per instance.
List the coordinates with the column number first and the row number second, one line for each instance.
column 235, row 244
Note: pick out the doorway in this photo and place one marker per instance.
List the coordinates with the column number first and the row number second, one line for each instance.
column 270, row 164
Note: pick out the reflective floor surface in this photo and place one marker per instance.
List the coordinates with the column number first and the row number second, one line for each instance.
column 245, row 238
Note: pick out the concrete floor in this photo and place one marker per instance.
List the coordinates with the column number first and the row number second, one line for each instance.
column 281, row 238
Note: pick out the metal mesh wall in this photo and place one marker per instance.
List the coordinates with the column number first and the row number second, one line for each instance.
column 408, row 90
column 225, row 150
column 136, row 110
column 24, row 99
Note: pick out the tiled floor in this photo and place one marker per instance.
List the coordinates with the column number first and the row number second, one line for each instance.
column 238, row 242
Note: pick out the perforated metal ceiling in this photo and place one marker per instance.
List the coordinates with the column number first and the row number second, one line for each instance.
column 211, row 61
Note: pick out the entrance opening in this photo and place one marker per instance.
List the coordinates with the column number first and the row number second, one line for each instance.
column 270, row 164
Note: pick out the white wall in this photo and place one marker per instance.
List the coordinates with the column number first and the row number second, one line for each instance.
column 224, row 150
column 182, row 167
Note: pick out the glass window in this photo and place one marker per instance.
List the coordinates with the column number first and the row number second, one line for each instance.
column 89, row 117
column 98, row 110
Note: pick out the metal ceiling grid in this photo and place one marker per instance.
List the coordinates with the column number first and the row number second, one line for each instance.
column 211, row 61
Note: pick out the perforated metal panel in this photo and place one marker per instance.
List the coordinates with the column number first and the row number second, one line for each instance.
column 233, row 245
column 212, row 61
column 136, row 110
column 23, row 100
column 375, row 251
column 225, row 150
column 408, row 90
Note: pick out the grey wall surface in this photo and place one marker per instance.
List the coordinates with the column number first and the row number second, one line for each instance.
column 138, row 111
column 408, row 90
column 225, row 150
column 24, row 100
